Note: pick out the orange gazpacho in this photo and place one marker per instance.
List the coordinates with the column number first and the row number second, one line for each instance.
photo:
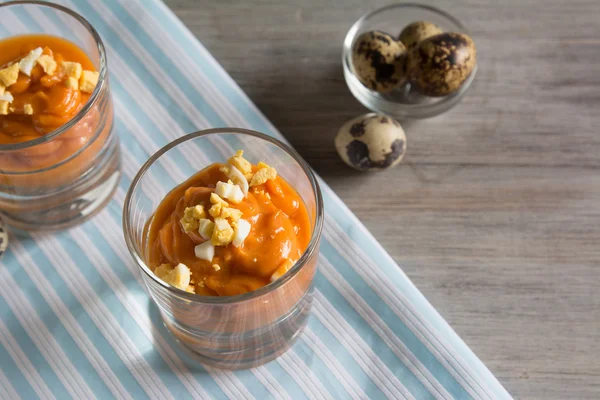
column 44, row 82
column 229, row 229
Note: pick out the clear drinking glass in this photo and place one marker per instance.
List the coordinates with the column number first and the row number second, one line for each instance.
column 68, row 175
column 230, row 332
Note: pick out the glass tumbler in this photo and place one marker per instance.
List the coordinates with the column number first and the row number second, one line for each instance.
column 230, row 332
column 66, row 176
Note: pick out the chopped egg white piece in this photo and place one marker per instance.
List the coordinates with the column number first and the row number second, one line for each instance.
column 229, row 191
column 236, row 176
column 205, row 228
column 7, row 97
column 240, row 232
column 205, row 251
column 28, row 62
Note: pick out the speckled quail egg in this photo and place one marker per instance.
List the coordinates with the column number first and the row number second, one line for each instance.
column 379, row 61
column 371, row 142
column 440, row 64
column 418, row 31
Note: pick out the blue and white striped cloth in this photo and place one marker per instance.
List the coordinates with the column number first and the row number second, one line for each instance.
column 76, row 322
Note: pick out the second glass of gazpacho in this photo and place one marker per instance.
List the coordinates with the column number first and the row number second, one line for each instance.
column 59, row 158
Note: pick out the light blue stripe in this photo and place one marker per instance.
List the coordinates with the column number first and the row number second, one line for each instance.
column 322, row 372
column 15, row 376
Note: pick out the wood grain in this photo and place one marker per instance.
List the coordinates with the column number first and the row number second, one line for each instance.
column 495, row 213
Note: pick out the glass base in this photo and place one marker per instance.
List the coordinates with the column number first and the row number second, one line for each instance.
column 245, row 350
column 71, row 207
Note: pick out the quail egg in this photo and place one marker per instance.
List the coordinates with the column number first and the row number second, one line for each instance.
column 418, row 31
column 371, row 142
column 440, row 64
column 379, row 61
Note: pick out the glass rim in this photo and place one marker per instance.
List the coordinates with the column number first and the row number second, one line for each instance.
column 293, row 271
column 100, row 86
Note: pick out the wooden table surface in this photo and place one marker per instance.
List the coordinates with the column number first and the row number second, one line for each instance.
column 495, row 212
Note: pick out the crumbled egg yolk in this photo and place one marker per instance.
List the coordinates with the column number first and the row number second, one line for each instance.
column 75, row 77
column 178, row 276
column 264, row 173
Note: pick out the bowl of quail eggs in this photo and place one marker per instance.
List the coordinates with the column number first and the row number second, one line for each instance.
column 409, row 61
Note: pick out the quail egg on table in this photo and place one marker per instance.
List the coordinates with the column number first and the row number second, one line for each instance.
column 378, row 61
column 418, row 31
column 440, row 64
column 371, row 142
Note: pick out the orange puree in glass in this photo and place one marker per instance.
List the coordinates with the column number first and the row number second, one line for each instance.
column 43, row 103
column 279, row 235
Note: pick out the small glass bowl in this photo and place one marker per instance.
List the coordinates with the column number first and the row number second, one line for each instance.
column 230, row 332
column 405, row 101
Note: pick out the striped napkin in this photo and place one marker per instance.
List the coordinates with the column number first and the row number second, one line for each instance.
column 77, row 323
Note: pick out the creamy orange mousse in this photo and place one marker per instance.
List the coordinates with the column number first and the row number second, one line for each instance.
column 44, row 82
column 230, row 229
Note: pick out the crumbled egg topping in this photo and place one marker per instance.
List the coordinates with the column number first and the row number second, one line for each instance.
column 222, row 233
column 47, row 63
column 264, row 173
column 178, row 276
column 241, row 164
column 191, row 218
column 227, row 225
column 9, row 75
column 75, row 77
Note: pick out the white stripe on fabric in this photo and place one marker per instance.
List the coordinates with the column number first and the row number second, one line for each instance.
column 364, row 356
column 382, row 330
column 368, row 271
column 33, row 377
column 344, row 378
column 44, row 340
column 311, row 388
column 272, row 385
column 7, row 389
column 101, row 316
